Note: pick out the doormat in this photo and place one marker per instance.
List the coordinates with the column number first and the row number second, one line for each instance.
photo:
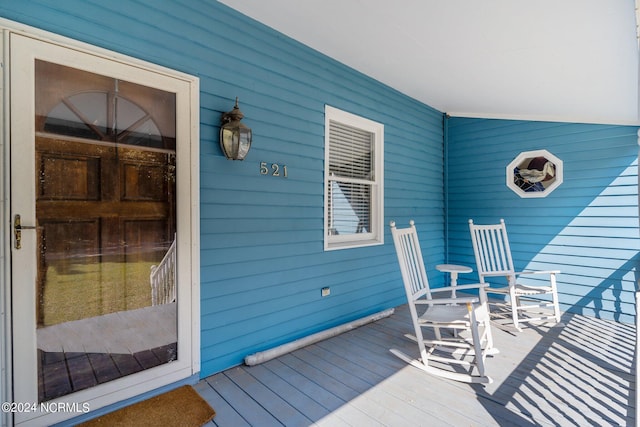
column 182, row 407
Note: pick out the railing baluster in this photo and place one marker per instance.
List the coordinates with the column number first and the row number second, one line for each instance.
column 162, row 278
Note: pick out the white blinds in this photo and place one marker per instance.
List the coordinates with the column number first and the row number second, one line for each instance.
column 351, row 178
column 350, row 152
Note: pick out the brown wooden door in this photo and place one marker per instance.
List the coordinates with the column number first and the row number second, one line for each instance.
column 106, row 212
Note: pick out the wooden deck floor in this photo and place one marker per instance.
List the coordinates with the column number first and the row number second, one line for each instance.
column 61, row 373
column 577, row 374
column 76, row 355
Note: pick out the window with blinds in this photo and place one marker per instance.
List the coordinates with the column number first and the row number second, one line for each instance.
column 353, row 180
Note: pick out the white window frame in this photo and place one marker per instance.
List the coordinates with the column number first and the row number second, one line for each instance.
column 522, row 157
column 375, row 236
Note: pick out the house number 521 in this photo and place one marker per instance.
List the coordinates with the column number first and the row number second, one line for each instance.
column 273, row 169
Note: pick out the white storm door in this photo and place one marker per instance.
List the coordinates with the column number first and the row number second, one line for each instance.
column 101, row 196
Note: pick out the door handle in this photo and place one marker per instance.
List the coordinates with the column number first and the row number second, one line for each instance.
column 17, row 231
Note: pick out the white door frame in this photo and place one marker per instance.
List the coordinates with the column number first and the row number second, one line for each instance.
column 5, row 271
column 28, row 43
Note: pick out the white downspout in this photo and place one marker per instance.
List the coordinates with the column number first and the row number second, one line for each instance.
column 257, row 358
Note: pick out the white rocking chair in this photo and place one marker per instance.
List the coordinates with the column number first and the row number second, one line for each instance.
column 493, row 259
column 453, row 357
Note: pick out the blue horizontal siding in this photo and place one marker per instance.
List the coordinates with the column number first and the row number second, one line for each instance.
column 587, row 227
column 262, row 257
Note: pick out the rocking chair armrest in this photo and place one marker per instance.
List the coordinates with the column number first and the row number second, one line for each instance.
column 438, row 301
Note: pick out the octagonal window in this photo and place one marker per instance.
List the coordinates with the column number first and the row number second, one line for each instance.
column 534, row 173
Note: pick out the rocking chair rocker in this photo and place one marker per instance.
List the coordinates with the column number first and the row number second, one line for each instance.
column 453, row 357
column 493, row 259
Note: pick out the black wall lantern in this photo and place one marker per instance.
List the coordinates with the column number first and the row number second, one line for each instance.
column 235, row 137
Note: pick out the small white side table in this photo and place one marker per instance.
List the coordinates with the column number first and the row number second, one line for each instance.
column 453, row 271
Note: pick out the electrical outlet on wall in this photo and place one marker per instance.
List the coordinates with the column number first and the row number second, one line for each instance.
column 326, row 291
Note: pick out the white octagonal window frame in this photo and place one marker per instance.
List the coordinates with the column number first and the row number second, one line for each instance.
column 534, row 174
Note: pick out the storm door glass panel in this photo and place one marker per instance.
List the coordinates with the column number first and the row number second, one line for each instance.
column 105, row 156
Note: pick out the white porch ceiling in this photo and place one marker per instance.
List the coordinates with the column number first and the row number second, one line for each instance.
column 558, row 60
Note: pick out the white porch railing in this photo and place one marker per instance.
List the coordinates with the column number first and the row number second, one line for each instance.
column 163, row 278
